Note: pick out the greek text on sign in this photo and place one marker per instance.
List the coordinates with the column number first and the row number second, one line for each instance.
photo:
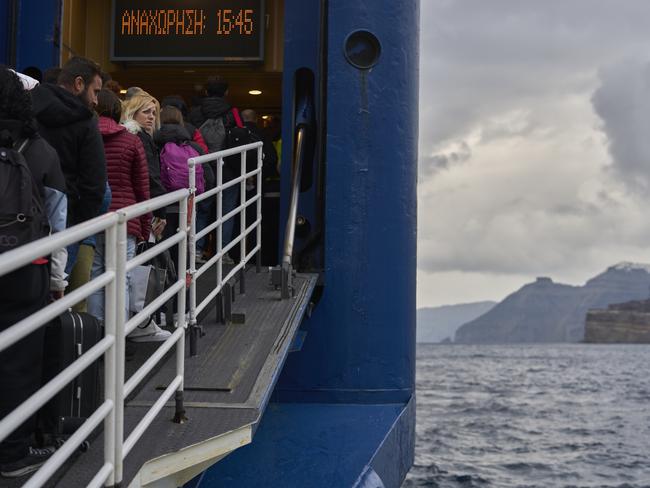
column 210, row 30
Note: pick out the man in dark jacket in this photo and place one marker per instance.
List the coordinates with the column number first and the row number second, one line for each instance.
column 66, row 120
column 214, row 107
column 25, row 291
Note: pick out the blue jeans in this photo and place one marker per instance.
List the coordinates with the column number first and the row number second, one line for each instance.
column 73, row 252
column 96, row 300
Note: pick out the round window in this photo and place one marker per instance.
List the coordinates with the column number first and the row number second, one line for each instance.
column 362, row 49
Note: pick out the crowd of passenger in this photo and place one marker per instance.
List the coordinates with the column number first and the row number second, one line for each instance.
column 92, row 148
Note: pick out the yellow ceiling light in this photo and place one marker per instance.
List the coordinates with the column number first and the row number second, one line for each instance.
column 265, row 117
column 255, row 92
column 122, row 92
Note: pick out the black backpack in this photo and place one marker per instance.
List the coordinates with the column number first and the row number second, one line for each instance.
column 22, row 214
column 240, row 135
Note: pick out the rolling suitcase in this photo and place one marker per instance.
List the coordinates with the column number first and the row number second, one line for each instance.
column 66, row 339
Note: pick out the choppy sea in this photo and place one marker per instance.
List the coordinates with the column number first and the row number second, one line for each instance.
column 532, row 416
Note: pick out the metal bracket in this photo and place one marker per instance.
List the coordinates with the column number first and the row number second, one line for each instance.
column 227, row 302
column 282, row 278
column 196, row 331
column 242, row 281
column 286, row 290
column 179, row 414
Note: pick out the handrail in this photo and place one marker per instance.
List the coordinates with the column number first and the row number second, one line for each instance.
column 290, row 229
column 116, row 327
column 304, row 122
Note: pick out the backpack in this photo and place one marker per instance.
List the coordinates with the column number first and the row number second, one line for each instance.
column 22, row 214
column 239, row 134
column 214, row 134
column 174, row 170
column 218, row 135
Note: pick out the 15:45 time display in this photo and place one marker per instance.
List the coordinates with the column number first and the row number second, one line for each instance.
column 237, row 21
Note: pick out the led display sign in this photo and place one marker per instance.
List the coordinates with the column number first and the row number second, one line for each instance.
column 192, row 30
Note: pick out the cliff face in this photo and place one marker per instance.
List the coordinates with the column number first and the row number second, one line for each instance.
column 620, row 323
column 531, row 314
column 545, row 311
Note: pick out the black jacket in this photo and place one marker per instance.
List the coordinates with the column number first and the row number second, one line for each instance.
column 43, row 162
column 211, row 108
column 156, row 187
column 71, row 129
column 270, row 161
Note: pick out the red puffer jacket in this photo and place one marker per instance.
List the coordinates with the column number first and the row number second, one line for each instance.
column 128, row 175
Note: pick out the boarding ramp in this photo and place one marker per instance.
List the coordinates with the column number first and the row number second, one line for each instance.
column 179, row 406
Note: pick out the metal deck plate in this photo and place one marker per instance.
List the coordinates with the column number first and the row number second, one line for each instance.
column 227, row 387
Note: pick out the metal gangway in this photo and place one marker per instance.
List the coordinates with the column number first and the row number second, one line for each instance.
column 215, row 388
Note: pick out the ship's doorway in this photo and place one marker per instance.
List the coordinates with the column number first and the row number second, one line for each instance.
column 116, row 33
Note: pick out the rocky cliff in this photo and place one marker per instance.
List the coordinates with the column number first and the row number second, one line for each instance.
column 620, row 323
column 545, row 311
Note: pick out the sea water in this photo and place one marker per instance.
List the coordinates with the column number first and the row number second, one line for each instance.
column 532, row 416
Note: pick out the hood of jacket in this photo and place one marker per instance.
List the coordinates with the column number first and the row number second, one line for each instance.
column 108, row 127
column 132, row 126
column 57, row 107
column 214, row 107
column 12, row 131
column 171, row 133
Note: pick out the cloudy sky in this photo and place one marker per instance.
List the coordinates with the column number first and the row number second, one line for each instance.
column 534, row 143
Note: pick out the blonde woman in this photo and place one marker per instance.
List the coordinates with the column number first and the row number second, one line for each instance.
column 141, row 116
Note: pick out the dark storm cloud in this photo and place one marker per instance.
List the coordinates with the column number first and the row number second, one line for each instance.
column 485, row 57
column 623, row 103
column 443, row 161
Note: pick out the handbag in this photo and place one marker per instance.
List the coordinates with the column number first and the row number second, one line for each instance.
column 147, row 283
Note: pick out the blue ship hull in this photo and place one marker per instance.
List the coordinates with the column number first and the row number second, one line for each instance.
column 344, row 408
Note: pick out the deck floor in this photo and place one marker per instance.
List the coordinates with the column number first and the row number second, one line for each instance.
column 227, row 385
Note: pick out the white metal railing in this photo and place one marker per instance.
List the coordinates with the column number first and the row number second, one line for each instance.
column 112, row 346
column 244, row 231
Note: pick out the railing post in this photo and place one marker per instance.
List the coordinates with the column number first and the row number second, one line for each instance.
column 194, row 331
column 219, row 197
column 242, row 211
column 258, row 258
column 110, row 313
column 120, row 319
column 179, row 414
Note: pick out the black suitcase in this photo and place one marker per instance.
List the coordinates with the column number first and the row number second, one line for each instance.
column 66, row 339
